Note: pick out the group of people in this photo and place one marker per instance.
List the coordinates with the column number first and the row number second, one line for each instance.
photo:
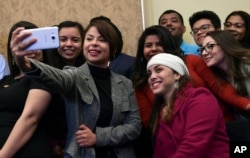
column 47, row 128
column 89, row 99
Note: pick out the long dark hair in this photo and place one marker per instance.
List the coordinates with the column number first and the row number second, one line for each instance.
column 168, row 43
column 160, row 103
column 55, row 58
column 237, row 56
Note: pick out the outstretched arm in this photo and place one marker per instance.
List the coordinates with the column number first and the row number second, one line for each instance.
column 27, row 122
column 55, row 79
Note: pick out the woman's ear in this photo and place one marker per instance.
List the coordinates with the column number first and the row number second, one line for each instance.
column 177, row 76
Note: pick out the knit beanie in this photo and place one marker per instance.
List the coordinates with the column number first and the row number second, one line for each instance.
column 172, row 61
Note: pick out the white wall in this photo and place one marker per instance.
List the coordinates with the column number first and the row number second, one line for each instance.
column 154, row 8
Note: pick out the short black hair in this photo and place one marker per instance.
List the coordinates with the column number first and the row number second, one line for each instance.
column 169, row 12
column 110, row 32
column 205, row 14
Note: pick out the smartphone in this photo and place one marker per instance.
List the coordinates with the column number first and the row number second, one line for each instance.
column 47, row 38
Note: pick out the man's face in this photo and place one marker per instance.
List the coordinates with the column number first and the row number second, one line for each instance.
column 173, row 23
column 200, row 29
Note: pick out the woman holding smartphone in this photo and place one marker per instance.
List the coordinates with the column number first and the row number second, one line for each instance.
column 102, row 112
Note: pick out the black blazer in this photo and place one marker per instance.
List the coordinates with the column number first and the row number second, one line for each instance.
column 123, row 64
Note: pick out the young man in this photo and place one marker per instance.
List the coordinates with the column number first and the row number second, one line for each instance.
column 173, row 21
column 201, row 22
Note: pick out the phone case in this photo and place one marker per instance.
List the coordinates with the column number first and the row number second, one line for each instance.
column 47, row 38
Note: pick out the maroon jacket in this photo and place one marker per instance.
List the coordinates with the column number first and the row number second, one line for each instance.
column 197, row 129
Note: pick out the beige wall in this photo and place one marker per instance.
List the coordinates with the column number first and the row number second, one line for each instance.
column 154, row 8
column 126, row 14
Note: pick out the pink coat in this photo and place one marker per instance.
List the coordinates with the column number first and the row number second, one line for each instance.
column 197, row 129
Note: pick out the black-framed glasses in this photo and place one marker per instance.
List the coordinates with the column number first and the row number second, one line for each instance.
column 236, row 25
column 208, row 48
column 203, row 28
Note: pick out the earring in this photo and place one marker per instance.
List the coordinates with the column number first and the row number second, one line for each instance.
column 176, row 84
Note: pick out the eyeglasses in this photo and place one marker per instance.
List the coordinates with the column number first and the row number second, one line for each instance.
column 236, row 25
column 203, row 28
column 208, row 48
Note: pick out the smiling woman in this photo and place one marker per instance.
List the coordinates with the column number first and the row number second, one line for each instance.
column 186, row 112
column 230, row 60
column 70, row 52
column 102, row 112
column 238, row 23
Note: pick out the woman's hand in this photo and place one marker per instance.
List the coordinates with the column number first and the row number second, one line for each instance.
column 85, row 137
column 18, row 48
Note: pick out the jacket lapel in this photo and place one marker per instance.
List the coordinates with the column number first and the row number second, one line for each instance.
column 86, row 88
